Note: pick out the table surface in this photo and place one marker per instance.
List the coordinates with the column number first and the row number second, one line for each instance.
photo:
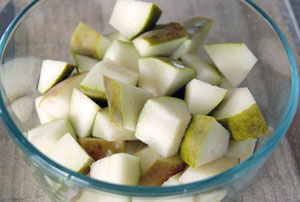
column 278, row 180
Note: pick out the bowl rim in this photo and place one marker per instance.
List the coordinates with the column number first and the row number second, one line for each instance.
column 83, row 181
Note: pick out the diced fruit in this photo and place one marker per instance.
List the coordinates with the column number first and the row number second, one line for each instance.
column 56, row 101
column 69, row 153
column 86, row 41
column 45, row 136
column 208, row 170
column 125, row 102
column 205, row 141
column 162, row 124
column 84, row 63
column 173, row 180
column 161, row 41
column 133, row 146
column 88, row 196
column 131, row 18
column 124, row 54
column 205, row 71
column 121, row 168
column 225, row 84
column 240, row 114
column 202, row 97
column 241, row 150
column 22, row 108
column 52, row 72
column 44, row 117
column 163, row 76
column 212, row 196
column 156, row 169
column 116, row 36
column 93, row 86
column 82, row 113
column 233, row 60
column 104, row 128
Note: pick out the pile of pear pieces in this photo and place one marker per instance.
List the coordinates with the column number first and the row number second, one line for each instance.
column 142, row 107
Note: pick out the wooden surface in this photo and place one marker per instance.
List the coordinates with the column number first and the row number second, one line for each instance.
column 277, row 181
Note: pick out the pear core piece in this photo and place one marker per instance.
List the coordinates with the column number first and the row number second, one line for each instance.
column 242, row 149
column 22, row 108
column 84, row 63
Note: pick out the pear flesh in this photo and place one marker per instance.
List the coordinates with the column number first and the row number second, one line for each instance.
column 116, row 36
column 43, row 116
column 225, row 84
column 22, row 108
column 84, row 63
column 134, row 146
column 242, row 149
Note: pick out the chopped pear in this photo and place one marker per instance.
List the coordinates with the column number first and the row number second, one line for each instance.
column 44, row 117
column 205, row 141
column 132, row 18
column 87, row 196
column 116, row 36
column 93, row 86
column 121, row 168
column 233, row 60
column 161, row 41
column 56, row 101
column 125, row 102
column 162, row 124
column 52, row 72
column 173, row 180
column 82, row 113
column 242, row 149
column 155, row 170
column 225, row 84
column 240, row 114
column 133, row 146
column 69, row 153
column 22, row 108
column 208, row 170
column 205, row 71
column 201, row 97
column 124, row 54
column 84, row 63
column 212, row 196
column 45, row 136
column 86, row 41
column 163, row 76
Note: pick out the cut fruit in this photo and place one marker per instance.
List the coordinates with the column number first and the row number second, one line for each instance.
column 44, row 117
column 45, row 136
column 233, row 60
column 173, row 180
column 131, row 18
column 162, row 124
column 155, row 170
column 22, row 108
column 208, row 170
column 161, row 41
column 124, row 54
column 240, row 114
column 241, row 150
column 163, row 76
column 84, row 63
column 133, row 146
column 93, row 85
column 197, row 28
column 225, row 84
column 104, row 128
column 86, row 41
column 212, row 196
column 52, row 72
column 205, row 141
column 121, row 168
column 116, row 36
column 125, row 102
column 82, row 113
column 69, row 153
column 56, row 101
column 88, row 196
column 205, row 71
column 202, row 97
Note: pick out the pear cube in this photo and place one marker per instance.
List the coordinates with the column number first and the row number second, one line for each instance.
column 242, row 149
column 84, row 63
column 22, row 108
column 43, row 116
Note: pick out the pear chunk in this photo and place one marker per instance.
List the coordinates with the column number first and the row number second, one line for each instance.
column 205, row 141
column 125, row 102
column 202, row 97
column 104, row 128
column 86, row 41
column 242, row 149
column 22, row 108
column 162, row 124
column 156, row 169
column 82, row 113
column 131, row 18
column 44, row 117
column 121, row 168
column 84, row 63
column 161, row 41
column 69, row 153
column 233, row 60
column 163, row 76
column 240, row 114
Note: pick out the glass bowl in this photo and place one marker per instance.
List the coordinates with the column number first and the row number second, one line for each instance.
column 43, row 30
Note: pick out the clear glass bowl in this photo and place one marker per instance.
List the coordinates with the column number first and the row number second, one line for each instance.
column 43, row 29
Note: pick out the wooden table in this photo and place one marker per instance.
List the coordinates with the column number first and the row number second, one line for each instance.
column 278, row 180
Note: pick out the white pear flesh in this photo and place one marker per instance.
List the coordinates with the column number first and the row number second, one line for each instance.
column 22, row 108
column 82, row 113
column 201, row 97
column 242, row 149
column 87, row 196
column 116, row 36
column 121, row 168
column 84, row 63
column 162, row 124
column 233, row 60
column 173, row 180
column 43, row 116
column 225, row 84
